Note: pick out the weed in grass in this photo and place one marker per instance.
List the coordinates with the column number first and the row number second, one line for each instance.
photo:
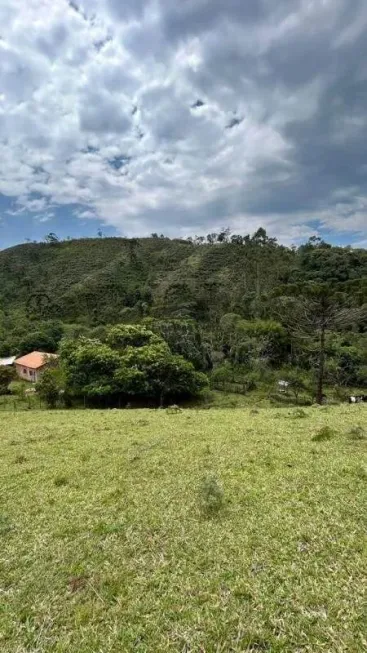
column 110, row 589
column 299, row 413
column 362, row 472
column 211, row 496
column 60, row 481
column 173, row 410
column 324, row 434
column 108, row 529
column 77, row 583
column 5, row 525
column 134, row 458
column 20, row 459
column 255, row 644
column 357, row 433
column 254, row 411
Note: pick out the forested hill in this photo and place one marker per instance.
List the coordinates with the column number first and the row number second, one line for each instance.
column 109, row 280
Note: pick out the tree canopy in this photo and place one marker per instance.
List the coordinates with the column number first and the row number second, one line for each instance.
column 133, row 363
column 225, row 299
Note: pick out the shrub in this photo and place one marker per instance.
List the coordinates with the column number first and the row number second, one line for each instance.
column 362, row 472
column 211, row 496
column 48, row 388
column 173, row 410
column 357, row 433
column 296, row 383
column 362, row 376
column 324, row 434
column 299, row 413
column 20, row 459
column 60, row 481
column 17, row 388
column 6, row 376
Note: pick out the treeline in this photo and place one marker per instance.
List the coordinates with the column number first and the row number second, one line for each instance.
column 241, row 308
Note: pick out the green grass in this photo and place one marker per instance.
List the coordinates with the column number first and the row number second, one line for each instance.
column 105, row 545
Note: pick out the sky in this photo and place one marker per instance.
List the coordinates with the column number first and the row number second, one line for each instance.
column 183, row 118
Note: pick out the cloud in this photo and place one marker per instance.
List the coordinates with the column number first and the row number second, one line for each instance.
column 100, row 113
column 187, row 116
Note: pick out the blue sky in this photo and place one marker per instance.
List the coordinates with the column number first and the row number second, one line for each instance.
column 26, row 225
column 183, row 118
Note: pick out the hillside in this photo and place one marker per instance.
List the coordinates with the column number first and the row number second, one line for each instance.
column 107, row 280
column 215, row 301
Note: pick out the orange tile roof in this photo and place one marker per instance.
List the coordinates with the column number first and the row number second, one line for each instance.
column 34, row 360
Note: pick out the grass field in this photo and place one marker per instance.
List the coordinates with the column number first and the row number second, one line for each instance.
column 203, row 531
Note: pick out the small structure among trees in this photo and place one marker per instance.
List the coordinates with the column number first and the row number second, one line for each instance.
column 32, row 366
column 8, row 361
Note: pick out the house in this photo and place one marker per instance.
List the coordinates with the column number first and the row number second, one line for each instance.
column 31, row 366
column 7, row 362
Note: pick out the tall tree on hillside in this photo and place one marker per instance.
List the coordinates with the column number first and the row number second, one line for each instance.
column 311, row 312
column 51, row 238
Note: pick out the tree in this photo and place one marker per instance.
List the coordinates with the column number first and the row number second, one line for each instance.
column 165, row 374
column 199, row 240
column 90, row 368
column 224, row 235
column 260, row 237
column 248, row 341
column 122, row 336
column 236, row 239
column 184, row 337
column 43, row 340
column 51, row 238
column 134, row 362
column 6, row 376
column 310, row 312
column 295, row 382
column 48, row 387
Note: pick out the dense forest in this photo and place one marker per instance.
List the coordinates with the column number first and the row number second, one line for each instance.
column 239, row 308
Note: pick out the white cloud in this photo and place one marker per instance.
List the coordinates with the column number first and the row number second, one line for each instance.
column 99, row 108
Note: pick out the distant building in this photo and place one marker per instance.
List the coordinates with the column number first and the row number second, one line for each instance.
column 283, row 386
column 31, row 366
column 7, row 362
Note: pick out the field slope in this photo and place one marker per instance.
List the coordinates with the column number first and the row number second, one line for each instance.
column 107, row 544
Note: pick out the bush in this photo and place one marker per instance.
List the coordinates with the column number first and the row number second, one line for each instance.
column 61, row 481
column 324, row 434
column 17, row 388
column 6, row 376
column 296, row 383
column 48, row 388
column 299, row 413
column 357, row 433
column 362, row 376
